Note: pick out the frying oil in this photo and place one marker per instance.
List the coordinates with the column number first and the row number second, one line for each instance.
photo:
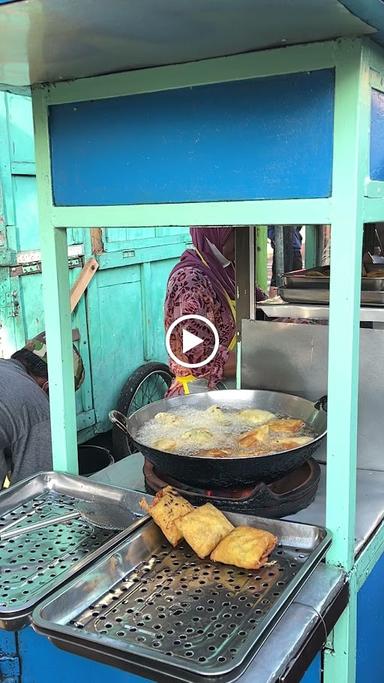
column 224, row 429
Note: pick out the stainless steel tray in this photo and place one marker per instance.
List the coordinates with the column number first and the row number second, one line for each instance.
column 35, row 563
column 372, row 284
column 162, row 612
column 321, row 296
column 301, row 279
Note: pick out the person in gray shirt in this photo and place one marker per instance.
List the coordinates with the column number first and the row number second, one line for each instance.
column 25, row 433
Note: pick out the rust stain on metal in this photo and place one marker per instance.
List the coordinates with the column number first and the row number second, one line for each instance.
column 97, row 241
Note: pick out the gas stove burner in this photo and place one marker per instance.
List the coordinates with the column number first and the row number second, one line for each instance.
column 280, row 498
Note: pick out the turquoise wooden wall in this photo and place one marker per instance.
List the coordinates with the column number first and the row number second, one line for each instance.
column 133, row 270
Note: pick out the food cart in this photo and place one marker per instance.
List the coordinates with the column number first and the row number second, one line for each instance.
column 280, row 122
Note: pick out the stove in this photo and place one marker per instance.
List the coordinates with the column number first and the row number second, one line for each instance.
column 277, row 499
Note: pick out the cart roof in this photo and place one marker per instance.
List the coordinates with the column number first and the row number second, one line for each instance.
column 55, row 40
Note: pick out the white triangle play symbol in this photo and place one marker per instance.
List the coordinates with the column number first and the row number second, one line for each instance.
column 190, row 341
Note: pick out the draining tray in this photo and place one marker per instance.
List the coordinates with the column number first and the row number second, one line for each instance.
column 319, row 278
column 163, row 613
column 321, row 296
column 35, row 563
column 311, row 278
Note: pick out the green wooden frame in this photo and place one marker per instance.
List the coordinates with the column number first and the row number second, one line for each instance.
column 350, row 205
column 7, row 210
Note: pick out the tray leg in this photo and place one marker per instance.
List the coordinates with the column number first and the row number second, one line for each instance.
column 340, row 650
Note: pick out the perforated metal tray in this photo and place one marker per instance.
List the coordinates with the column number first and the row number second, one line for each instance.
column 35, row 563
column 162, row 612
column 299, row 279
column 302, row 279
column 321, row 296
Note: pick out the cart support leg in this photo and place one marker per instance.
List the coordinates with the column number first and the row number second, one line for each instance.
column 349, row 167
column 351, row 125
column 311, row 246
column 56, row 293
column 261, row 257
column 339, row 666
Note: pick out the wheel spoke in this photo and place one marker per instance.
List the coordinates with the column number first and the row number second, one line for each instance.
column 136, row 402
column 152, row 388
column 158, row 389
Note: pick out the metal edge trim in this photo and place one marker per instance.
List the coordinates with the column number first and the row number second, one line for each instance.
column 315, row 640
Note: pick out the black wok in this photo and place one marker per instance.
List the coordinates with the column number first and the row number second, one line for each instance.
column 209, row 472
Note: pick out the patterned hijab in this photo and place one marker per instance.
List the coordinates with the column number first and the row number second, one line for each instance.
column 222, row 277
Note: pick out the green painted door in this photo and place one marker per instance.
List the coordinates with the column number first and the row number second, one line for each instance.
column 125, row 317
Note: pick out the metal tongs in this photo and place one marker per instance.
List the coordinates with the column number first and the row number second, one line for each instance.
column 96, row 513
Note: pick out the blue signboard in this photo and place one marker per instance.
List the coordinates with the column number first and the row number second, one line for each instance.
column 264, row 138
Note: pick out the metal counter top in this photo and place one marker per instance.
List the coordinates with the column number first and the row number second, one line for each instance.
column 128, row 473
column 277, row 308
column 370, row 505
column 301, row 631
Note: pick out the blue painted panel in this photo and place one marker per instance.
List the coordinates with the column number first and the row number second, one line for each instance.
column 377, row 136
column 42, row 662
column 370, row 627
column 265, row 138
column 313, row 673
column 9, row 660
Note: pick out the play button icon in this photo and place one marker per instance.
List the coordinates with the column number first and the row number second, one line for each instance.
column 191, row 341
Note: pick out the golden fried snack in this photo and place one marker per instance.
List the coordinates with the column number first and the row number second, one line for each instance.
column 168, row 419
column 257, row 437
column 286, row 425
column 204, row 528
column 256, row 416
column 213, row 453
column 217, row 414
column 165, row 444
column 245, row 547
column 287, row 443
column 197, row 437
column 167, row 507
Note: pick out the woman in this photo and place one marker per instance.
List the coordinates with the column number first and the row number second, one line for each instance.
column 203, row 283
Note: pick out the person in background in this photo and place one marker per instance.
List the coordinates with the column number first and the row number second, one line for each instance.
column 25, row 434
column 203, row 283
column 297, row 258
